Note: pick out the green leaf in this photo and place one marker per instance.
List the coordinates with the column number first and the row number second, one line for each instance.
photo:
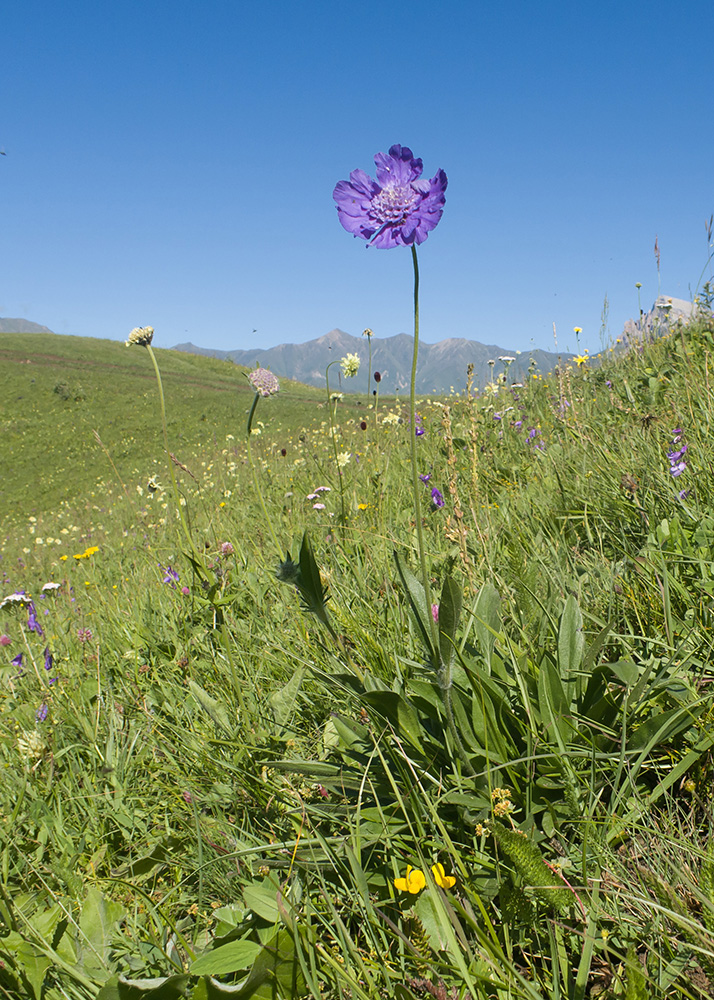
column 417, row 600
column 488, row 619
column 226, row 958
column 571, row 641
column 261, row 898
column 449, row 615
column 164, row 988
column 212, row 707
column 399, row 712
column 97, row 921
column 276, row 972
column 282, row 701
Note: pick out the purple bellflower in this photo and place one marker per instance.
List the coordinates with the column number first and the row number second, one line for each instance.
column 436, row 498
column 399, row 209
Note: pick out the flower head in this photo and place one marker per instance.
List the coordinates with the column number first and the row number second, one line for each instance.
column 441, row 878
column 264, row 382
column 141, row 335
column 436, row 498
column 413, row 882
column 398, row 209
column 350, row 365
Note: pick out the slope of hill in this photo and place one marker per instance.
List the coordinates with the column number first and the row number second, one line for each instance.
column 56, row 391
column 441, row 366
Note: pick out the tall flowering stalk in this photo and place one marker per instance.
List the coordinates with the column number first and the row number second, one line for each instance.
column 142, row 337
column 400, row 209
column 265, row 384
column 350, row 366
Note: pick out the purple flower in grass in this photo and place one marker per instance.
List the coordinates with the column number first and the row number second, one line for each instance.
column 399, row 208
column 425, row 477
column 17, row 661
column 170, row 576
column 436, row 498
column 41, row 713
column 32, row 623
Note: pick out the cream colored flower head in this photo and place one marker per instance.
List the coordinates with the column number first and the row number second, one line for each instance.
column 141, row 335
column 350, row 365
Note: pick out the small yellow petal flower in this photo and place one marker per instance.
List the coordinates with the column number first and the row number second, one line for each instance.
column 414, row 881
column 441, row 878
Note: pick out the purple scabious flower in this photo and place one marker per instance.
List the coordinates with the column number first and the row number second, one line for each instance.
column 436, row 498
column 399, row 208
column 264, row 382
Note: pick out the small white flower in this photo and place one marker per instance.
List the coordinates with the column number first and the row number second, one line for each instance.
column 49, row 587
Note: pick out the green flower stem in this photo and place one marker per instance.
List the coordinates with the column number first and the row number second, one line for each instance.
column 256, row 481
column 334, row 443
column 198, row 558
column 413, row 454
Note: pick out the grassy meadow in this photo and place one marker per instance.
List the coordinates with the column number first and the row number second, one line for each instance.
column 245, row 753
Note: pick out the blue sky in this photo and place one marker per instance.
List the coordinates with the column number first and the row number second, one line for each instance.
column 172, row 164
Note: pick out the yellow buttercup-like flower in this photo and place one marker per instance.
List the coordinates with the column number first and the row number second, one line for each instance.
column 441, row 878
column 413, row 882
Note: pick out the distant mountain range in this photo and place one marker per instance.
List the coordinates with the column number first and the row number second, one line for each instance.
column 21, row 326
column 441, row 365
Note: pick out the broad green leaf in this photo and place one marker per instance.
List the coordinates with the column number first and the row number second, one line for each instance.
column 97, row 921
column 164, row 988
column 282, row 701
column 449, row 616
column 417, row 600
column 231, row 957
column 212, row 707
column 400, row 713
column 261, row 898
column 571, row 641
column 487, row 619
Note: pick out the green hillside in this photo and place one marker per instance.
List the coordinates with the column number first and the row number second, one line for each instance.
column 56, row 392
column 316, row 721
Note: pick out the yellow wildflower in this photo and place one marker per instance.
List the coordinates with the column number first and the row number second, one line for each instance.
column 413, row 882
column 441, row 878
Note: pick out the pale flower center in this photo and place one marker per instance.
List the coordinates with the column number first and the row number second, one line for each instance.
column 392, row 204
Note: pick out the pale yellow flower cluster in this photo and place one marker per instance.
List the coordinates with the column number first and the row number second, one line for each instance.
column 141, row 335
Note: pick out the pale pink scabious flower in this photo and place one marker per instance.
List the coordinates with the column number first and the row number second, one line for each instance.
column 226, row 549
column 5, row 640
column 264, row 382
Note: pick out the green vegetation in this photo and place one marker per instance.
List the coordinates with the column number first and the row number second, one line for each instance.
column 236, row 770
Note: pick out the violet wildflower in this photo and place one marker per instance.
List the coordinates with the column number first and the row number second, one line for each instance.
column 677, row 464
column 170, row 576
column 399, row 208
column 436, row 498
column 41, row 713
column 32, row 623
column 84, row 634
column 17, row 661
column 425, row 477
column 264, row 382
column 226, row 549
column 419, row 425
